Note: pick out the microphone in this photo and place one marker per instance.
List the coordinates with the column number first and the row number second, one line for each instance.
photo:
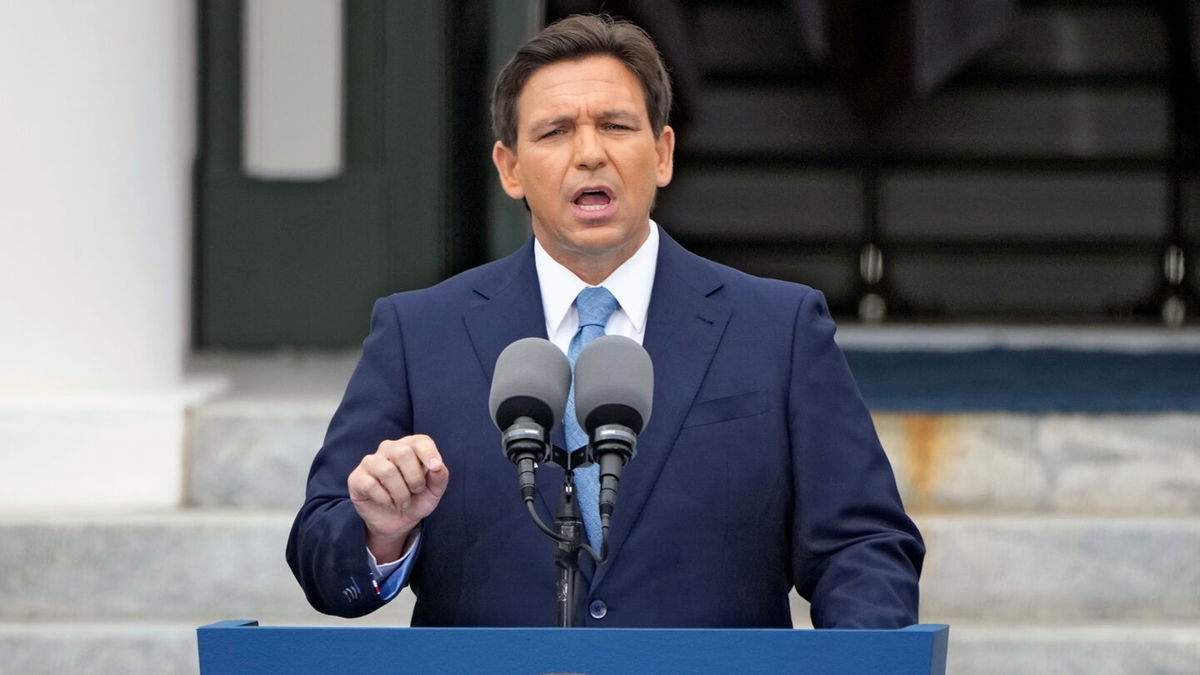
column 614, row 388
column 528, row 397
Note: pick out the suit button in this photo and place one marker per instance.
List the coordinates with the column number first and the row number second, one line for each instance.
column 597, row 609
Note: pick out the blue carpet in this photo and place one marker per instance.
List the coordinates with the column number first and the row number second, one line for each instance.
column 1028, row 381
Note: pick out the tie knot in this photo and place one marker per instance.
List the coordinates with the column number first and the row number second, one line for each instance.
column 595, row 305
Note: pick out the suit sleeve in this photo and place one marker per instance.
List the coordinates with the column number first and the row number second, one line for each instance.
column 857, row 555
column 327, row 546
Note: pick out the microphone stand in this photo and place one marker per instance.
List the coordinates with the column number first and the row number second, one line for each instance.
column 569, row 526
column 568, row 531
column 568, row 534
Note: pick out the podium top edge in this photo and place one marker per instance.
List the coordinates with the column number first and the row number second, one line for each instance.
column 253, row 623
column 230, row 623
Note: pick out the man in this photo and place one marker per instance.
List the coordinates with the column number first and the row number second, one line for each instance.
column 759, row 470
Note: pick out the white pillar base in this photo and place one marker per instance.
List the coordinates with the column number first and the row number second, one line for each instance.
column 99, row 449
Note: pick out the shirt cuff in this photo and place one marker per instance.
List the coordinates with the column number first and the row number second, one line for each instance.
column 392, row 576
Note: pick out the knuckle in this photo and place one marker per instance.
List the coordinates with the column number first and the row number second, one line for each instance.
column 392, row 445
column 358, row 486
column 385, row 469
column 401, row 449
column 378, row 463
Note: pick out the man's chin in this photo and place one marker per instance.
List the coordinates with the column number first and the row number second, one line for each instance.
column 610, row 233
column 600, row 236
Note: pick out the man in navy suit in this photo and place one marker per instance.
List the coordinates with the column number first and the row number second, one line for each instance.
column 759, row 470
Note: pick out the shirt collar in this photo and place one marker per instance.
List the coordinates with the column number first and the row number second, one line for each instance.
column 630, row 284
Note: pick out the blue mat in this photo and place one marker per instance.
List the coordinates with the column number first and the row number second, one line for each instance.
column 1028, row 381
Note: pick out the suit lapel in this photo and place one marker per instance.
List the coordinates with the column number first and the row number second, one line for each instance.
column 508, row 308
column 686, row 320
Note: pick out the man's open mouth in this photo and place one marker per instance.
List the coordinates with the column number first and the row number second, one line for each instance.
column 593, row 199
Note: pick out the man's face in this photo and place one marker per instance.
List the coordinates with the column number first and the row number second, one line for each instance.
column 586, row 161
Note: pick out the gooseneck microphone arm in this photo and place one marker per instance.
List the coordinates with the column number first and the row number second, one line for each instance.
column 526, row 445
column 614, row 445
column 568, row 497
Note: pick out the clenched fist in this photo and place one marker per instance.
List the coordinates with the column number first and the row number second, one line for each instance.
column 394, row 488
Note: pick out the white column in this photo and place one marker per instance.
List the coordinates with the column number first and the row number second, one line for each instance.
column 96, row 140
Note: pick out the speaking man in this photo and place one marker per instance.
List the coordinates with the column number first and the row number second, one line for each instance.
column 759, row 471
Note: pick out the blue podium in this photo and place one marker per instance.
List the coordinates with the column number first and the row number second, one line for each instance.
column 245, row 647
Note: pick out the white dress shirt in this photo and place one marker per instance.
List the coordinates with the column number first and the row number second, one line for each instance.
column 630, row 284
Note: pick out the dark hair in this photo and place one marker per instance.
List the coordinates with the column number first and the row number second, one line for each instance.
column 577, row 37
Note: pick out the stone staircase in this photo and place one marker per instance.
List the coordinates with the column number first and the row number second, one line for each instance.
column 123, row 592
column 1057, row 543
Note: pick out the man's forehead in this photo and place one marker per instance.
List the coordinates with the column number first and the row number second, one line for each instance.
column 563, row 86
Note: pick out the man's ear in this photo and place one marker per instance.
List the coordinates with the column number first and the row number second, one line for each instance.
column 664, row 147
column 506, row 165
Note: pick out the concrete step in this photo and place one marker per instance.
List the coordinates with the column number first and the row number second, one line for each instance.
column 98, row 648
column 216, row 565
column 1066, row 464
column 123, row 647
column 1091, row 649
column 254, row 449
column 169, row 648
column 253, row 446
column 254, row 453
column 1054, row 569
column 209, row 565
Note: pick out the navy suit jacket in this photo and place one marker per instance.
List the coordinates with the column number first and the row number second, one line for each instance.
column 759, row 469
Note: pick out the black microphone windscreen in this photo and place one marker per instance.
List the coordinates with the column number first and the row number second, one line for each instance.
column 614, row 384
column 531, row 379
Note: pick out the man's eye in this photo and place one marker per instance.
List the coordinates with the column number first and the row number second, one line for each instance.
column 553, row 132
column 616, row 127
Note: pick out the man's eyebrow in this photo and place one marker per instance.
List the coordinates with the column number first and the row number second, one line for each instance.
column 552, row 122
column 607, row 116
column 625, row 115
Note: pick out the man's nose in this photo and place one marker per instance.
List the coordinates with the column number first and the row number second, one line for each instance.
column 589, row 149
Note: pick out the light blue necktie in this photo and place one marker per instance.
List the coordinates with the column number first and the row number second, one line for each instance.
column 595, row 305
